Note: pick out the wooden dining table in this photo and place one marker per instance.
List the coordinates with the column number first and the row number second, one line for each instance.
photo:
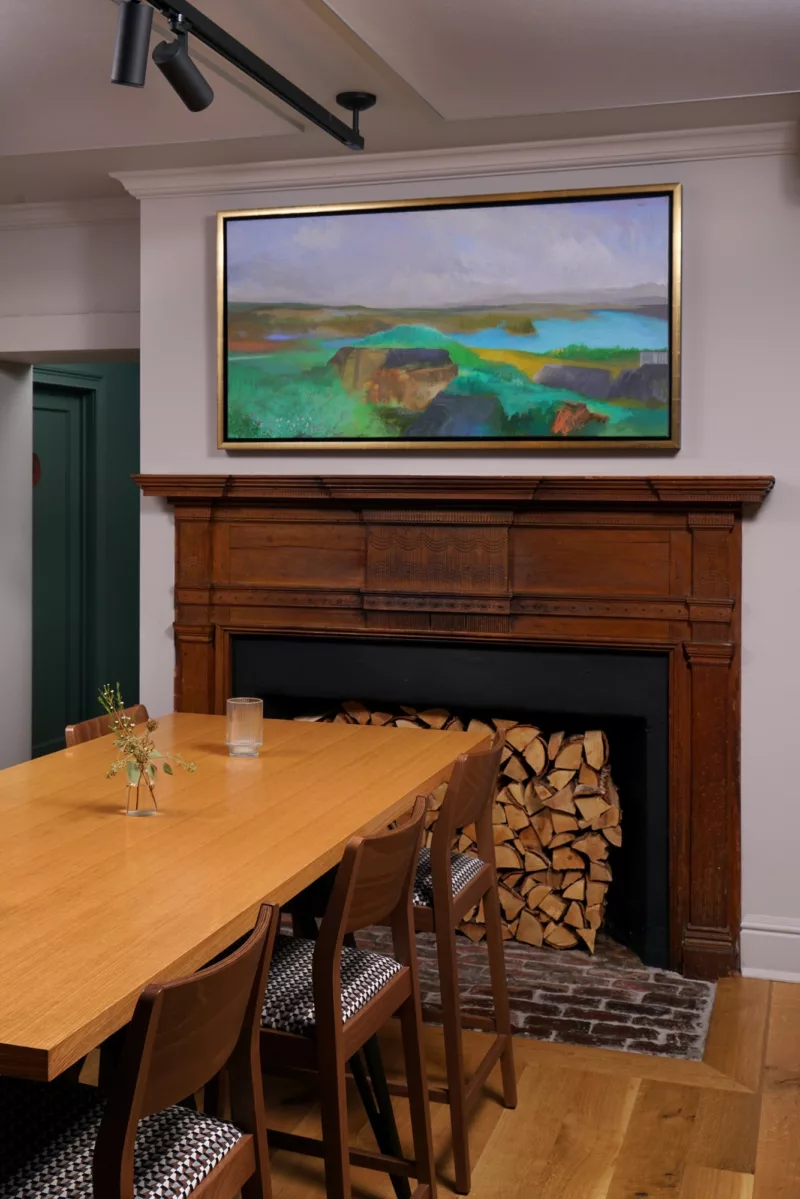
column 94, row 905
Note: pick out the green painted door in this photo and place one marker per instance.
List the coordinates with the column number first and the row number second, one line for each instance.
column 59, row 564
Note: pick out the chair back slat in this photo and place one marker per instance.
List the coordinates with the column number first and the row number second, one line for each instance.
column 373, row 885
column 470, row 791
column 200, row 1019
column 374, row 879
column 100, row 726
column 384, row 864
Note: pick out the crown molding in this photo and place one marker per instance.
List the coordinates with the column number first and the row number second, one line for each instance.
column 522, row 158
column 68, row 212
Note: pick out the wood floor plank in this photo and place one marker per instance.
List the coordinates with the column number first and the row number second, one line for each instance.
column 725, row 1133
column 778, row 1156
column 633, row 1065
column 585, row 1151
column 738, row 1030
column 700, row 1182
column 653, row 1156
column 518, row 1151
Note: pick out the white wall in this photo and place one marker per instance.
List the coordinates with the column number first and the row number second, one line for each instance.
column 16, row 526
column 741, row 414
column 69, row 278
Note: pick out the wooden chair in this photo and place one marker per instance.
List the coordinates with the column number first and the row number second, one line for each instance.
column 326, row 999
column 446, row 886
column 99, row 726
column 66, row 1139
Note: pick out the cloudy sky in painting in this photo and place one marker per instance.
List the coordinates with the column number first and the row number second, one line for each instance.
column 461, row 256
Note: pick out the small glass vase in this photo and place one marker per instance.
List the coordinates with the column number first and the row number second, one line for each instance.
column 141, row 792
column 244, row 732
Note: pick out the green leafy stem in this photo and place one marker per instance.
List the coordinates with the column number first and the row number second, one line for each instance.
column 137, row 750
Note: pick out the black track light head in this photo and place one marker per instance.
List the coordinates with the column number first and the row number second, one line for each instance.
column 183, row 75
column 134, row 22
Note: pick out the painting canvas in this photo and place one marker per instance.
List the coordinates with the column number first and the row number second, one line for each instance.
column 547, row 320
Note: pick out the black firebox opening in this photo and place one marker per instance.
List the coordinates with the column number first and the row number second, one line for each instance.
column 624, row 693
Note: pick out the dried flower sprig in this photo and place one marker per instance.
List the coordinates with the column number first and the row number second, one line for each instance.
column 137, row 750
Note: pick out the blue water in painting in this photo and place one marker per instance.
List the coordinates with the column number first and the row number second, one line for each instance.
column 601, row 330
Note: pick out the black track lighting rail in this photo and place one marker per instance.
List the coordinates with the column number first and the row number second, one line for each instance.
column 234, row 52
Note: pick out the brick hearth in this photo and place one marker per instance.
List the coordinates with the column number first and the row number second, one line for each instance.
column 610, row 1001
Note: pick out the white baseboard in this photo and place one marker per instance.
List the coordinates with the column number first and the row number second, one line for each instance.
column 771, row 948
column 775, row 976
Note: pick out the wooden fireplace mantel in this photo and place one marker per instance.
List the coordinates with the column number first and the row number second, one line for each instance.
column 703, row 490
column 651, row 563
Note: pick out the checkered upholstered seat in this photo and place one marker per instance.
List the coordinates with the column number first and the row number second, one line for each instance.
column 289, row 1000
column 464, row 868
column 48, row 1133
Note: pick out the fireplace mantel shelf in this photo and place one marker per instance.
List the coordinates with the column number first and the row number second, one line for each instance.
column 645, row 563
column 684, row 490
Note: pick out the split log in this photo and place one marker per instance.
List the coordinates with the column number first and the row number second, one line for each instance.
column 566, row 858
column 507, row 858
column 511, row 903
column 529, row 930
column 520, row 737
column 560, row 937
column 571, row 756
column 556, row 824
column 435, row 718
column 587, row 935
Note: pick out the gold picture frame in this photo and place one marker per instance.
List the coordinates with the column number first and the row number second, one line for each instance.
column 650, row 411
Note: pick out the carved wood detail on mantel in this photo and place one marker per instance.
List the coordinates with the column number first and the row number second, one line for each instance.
column 649, row 563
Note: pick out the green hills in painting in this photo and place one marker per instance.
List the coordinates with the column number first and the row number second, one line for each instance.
column 549, row 370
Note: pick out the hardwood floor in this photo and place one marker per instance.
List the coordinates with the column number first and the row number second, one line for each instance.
column 597, row 1124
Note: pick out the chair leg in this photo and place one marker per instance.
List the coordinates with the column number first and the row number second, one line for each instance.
column 497, row 971
column 335, row 1136
column 259, row 1186
column 446, row 953
column 385, row 1128
column 413, row 1052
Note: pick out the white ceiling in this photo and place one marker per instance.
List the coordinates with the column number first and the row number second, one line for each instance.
column 447, row 72
column 471, row 59
column 54, row 78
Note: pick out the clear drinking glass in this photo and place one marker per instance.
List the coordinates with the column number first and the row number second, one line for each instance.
column 244, row 733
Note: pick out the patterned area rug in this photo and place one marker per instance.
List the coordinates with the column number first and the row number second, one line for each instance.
column 609, row 1001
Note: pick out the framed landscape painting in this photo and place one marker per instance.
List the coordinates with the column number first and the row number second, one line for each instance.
column 546, row 321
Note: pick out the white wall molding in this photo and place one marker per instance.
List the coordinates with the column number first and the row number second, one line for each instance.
column 771, row 948
column 785, row 926
column 68, row 212
column 523, row 158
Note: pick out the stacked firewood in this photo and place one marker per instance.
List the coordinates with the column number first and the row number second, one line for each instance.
column 556, row 815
